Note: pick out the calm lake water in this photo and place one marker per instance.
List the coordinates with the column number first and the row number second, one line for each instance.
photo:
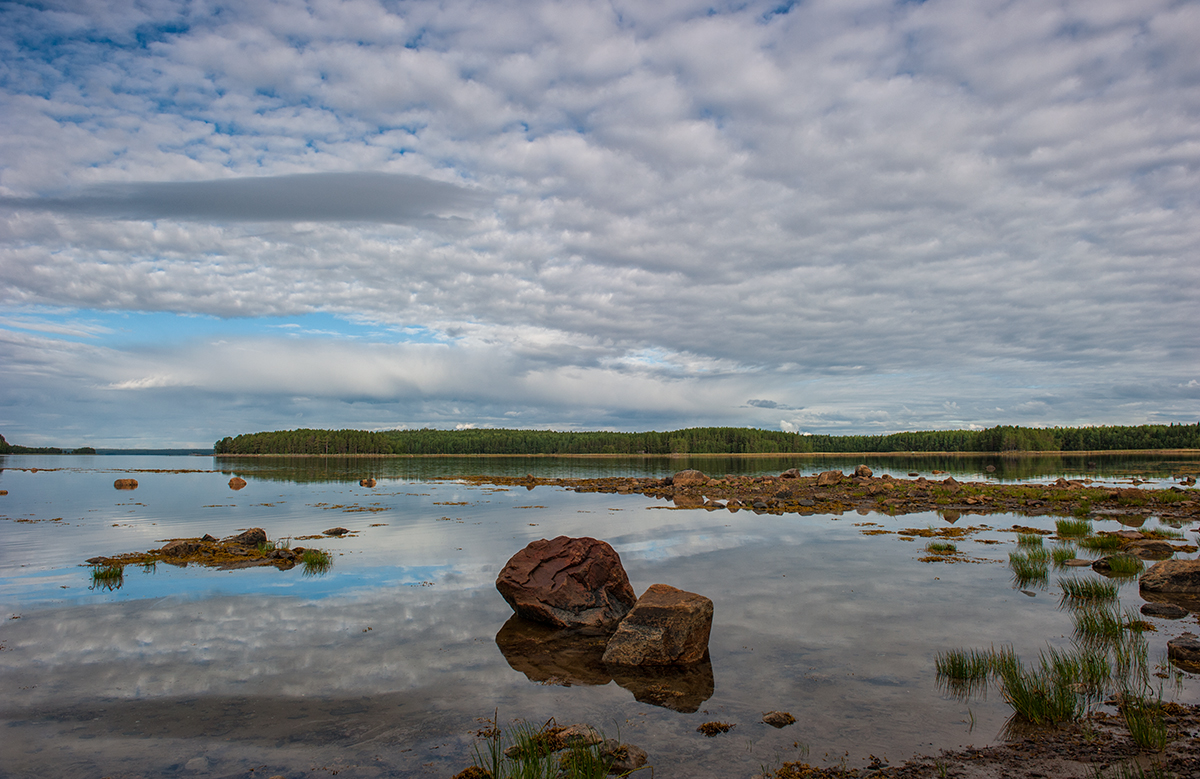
column 385, row 665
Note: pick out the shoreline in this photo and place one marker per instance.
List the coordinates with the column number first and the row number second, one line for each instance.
column 752, row 455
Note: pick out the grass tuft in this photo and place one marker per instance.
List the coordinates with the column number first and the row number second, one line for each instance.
column 1086, row 591
column 1102, row 543
column 1125, row 565
column 941, row 547
column 1028, row 569
column 316, row 562
column 1029, row 539
column 108, row 576
column 1145, row 721
column 1061, row 554
column 1073, row 528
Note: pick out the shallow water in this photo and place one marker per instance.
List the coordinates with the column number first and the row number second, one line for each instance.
column 383, row 666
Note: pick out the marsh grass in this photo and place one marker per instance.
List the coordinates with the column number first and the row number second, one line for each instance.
column 1061, row 554
column 1144, row 718
column 1102, row 543
column 1028, row 539
column 316, row 562
column 108, row 576
column 1073, row 528
column 1081, row 510
column 526, row 752
column 1125, row 565
column 1029, row 568
column 1163, row 533
column 941, row 547
column 963, row 673
column 1043, row 694
column 1077, row 592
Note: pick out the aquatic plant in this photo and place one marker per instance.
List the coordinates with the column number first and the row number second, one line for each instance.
column 1061, row 554
column 1029, row 539
column 1073, row 528
column 109, row 576
column 1027, row 569
column 1102, row 543
column 941, row 547
column 963, row 672
column 1161, row 532
column 1042, row 695
column 316, row 561
column 541, row 753
column 1125, row 565
column 1144, row 718
column 1081, row 591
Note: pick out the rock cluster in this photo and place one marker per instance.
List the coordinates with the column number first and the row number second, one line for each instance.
column 579, row 587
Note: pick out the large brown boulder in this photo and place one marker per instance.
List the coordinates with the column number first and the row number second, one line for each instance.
column 253, row 537
column 863, row 472
column 689, row 478
column 1173, row 576
column 567, row 582
column 236, row 483
column 667, row 626
column 827, row 478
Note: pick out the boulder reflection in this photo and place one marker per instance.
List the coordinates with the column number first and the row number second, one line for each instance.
column 566, row 657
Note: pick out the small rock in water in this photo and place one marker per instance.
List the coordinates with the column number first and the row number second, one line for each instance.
column 335, row 531
column 689, row 478
column 863, row 471
column 1164, row 610
column 366, row 482
column 778, row 719
column 624, row 758
column 236, row 483
column 126, row 484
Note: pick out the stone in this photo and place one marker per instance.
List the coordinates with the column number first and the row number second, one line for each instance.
column 1172, row 576
column 667, row 626
column 790, row 473
column 126, row 484
column 335, row 531
column 471, row 772
column 689, row 478
column 179, row 548
column 236, row 483
column 366, row 482
column 252, row 537
column 1164, row 610
column 826, row 478
column 1151, row 549
column 623, row 758
column 990, row 469
column 778, row 719
column 568, row 582
column 1184, row 651
column 863, row 472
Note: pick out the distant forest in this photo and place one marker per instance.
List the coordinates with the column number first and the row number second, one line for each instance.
column 708, row 440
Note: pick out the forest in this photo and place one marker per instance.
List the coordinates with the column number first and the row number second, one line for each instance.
column 707, row 440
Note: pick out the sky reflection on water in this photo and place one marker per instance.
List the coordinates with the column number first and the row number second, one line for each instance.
column 386, row 662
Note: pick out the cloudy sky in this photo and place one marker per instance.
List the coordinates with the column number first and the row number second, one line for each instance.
column 823, row 216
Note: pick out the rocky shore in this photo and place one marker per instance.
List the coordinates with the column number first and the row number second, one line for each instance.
column 833, row 492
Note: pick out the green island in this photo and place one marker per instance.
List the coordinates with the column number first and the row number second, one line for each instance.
column 706, row 440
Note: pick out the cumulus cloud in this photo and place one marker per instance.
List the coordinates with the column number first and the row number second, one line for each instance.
column 868, row 213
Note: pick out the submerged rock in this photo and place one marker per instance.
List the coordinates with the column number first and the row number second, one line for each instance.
column 236, row 483
column 567, row 582
column 778, row 719
column 1184, row 651
column 667, row 626
column 335, row 531
column 682, row 688
column 1164, row 610
column 126, row 484
column 254, row 537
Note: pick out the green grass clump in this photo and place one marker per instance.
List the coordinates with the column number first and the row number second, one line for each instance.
column 1084, row 591
column 1028, row 569
column 1082, row 509
column 526, row 752
column 316, row 561
column 1145, row 721
column 1029, row 539
column 941, row 547
column 963, row 673
column 109, row 576
column 1061, row 554
column 1102, row 543
column 1163, row 533
column 1099, row 625
column 1042, row 695
column 1073, row 528
column 1125, row 565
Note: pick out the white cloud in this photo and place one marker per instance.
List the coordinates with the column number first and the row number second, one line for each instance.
column 942, row 205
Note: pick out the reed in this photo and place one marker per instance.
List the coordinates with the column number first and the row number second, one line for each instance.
column 1028, row 569
column 1029, row 539
column 1085, row 591
column 316, row 562
column 1102, row 543
column 1144, row 718
column 1125, row 565
column 941, row 547
column 1061, row 554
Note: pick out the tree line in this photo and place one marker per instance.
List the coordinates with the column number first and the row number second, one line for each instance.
column 707, row 440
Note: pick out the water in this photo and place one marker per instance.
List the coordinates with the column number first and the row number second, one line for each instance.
column 384, row 666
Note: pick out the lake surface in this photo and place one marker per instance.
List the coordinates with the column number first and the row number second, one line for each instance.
column 385, row 665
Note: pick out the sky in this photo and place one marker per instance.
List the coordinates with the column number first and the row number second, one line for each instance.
column 858, row 216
